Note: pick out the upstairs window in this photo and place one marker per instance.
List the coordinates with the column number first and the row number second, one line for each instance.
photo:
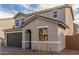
column 54, row 14
column 17, row 22
column 22, row 21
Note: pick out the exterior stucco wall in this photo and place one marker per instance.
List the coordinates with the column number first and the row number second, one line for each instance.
column 51, row 44
column 60, row 14
column 69, row 21
column 61, row 38
column 5, row 24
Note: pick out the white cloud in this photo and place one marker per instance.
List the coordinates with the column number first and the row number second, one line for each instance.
column 26, row 6
column 75, row 6
column 4, row 14
column 40, row 6
column 76, row 13
column 44, row 6
column 76, row 21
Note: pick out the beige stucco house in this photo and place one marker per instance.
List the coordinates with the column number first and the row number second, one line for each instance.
column 5, row 23
column 42, row 30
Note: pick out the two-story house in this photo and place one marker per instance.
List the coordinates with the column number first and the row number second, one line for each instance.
column 42, row 30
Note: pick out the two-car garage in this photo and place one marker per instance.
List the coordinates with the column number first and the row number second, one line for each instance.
column 14, row 39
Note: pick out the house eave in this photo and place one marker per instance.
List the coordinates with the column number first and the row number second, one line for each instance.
column 9, row 30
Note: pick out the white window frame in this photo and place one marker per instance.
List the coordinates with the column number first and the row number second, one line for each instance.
column 43, row 27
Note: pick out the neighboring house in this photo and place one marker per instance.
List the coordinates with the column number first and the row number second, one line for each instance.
column 42, row 30
column 75, row 28
column 5, row 24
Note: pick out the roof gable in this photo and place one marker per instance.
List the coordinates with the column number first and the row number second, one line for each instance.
column 44, row 18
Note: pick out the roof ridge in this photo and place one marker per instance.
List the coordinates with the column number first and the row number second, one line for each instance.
column 45, row 10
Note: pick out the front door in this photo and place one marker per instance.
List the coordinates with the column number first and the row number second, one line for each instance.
column 28, row 39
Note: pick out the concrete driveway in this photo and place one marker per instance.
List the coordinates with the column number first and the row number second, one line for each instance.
column 6, row 50
column 19, row 51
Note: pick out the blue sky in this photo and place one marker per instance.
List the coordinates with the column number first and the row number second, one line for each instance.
column 15, row 8
column 9, row 10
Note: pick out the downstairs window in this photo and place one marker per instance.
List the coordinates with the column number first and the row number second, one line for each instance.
column 43, row 34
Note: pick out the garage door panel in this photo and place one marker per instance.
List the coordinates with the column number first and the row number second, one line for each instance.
column 14, row 39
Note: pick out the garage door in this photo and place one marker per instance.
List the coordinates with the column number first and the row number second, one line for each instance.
column 14, row 39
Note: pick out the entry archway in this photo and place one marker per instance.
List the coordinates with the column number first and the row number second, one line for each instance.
column 28, row 39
